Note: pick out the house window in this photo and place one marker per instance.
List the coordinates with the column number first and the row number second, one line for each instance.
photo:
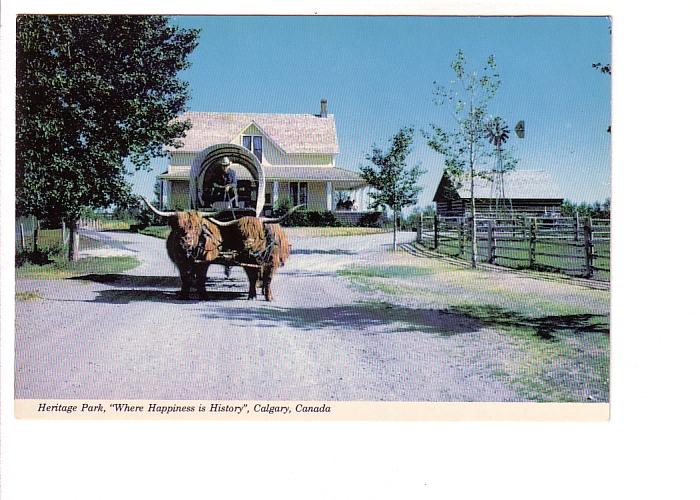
column 299, row 193
column 253, row 143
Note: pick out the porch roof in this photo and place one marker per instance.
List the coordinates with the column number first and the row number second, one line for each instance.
column 279, row 173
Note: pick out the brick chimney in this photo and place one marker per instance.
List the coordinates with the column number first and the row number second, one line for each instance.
column 324, row 108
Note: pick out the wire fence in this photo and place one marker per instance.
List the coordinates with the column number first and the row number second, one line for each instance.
column 579, row 247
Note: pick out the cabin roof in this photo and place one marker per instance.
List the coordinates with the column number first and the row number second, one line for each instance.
column 518, row 184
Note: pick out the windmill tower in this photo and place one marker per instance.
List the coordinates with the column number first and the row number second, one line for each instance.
column 497, row 133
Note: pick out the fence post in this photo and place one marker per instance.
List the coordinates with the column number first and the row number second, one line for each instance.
column 419, row 229
column 533, row 242
column 21, row 235
column 460, row 237
column 491, row 242
column 576, row 227
column 63, row 232
column 35, row 242
column 435, row 224
column 588, row 246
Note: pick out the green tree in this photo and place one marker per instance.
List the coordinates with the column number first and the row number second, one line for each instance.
column 465, row 147
column 92, row 93
column 395, row 186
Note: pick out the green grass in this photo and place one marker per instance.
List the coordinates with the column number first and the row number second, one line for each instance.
column 27, row 296
column 557, row 333
column 163, row 231
column 391, row 271
column 116, row 225
column 156, row 231
column 333, row 231
column 60, row 268
column 52, row 239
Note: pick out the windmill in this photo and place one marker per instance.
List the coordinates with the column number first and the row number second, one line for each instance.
column 497, row 133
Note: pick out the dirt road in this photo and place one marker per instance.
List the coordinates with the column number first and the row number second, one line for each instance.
column 127, row 336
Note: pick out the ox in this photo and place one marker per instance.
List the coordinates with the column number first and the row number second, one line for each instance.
column 198, row 240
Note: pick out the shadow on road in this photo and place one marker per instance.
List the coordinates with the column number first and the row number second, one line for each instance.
column 124, row 296
column 373, row 317
column 129, row 280
column 133, row 288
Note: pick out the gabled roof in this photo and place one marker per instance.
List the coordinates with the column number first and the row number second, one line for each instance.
column 519, row 184
column 296, row 134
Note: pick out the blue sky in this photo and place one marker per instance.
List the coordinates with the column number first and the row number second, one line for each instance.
column 377, row 74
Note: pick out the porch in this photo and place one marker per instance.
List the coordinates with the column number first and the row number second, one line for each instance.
column 341, row 197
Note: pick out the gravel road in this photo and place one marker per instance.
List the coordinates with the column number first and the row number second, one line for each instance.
column 127, row 336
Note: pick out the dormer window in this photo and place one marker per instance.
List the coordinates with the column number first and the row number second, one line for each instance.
column 254, row 143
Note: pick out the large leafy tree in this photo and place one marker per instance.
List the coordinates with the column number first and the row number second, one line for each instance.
column 465, row 145
column 94, row 94
column 394, row 184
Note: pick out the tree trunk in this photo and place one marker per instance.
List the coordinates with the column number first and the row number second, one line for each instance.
column 73, row 241
column 395, row 216
column 473, row 223
column 35, row 243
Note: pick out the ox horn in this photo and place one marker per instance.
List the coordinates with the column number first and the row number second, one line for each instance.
column 156, row 211
column 222, row 224
column 277, row 220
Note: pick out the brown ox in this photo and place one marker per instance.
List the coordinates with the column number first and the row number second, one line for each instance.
column 261, row 247
column 196, row 241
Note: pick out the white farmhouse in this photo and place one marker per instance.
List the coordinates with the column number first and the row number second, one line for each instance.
column 296, row 152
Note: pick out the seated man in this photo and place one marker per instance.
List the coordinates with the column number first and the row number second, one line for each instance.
column 223, row 184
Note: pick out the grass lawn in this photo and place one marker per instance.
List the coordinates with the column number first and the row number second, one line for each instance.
column 60, row 268
column 553, row 337
column 157, row 231
column 51, row 261
column 116, row 225
column 163, row 231
column 333, row 231
column 53, row 238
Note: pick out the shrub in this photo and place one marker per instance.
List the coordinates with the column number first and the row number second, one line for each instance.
column 372, row 219
column 40, row 256
column 147, row 218
column 323, row 218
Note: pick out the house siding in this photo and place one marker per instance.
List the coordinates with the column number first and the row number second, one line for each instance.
column 272, row 155
column 179, row 195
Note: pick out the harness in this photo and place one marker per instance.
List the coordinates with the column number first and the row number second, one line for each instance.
column 260, row 256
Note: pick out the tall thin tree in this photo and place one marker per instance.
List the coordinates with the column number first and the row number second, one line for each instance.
column 465, row 146
column 394, row 184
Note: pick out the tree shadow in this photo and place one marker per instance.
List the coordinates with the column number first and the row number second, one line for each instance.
column 366, row 318
column 126, row 296
column 543, row 327
column 131, row 280
column 129, row 288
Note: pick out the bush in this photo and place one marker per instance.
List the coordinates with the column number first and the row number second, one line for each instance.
column 41, row 256
column 311, row 218
column 372, row 219
column 323, row 218
column 305, row 218
column 147, row 218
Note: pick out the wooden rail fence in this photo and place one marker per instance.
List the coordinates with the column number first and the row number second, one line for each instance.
column 580, row 247
column 27, row 231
